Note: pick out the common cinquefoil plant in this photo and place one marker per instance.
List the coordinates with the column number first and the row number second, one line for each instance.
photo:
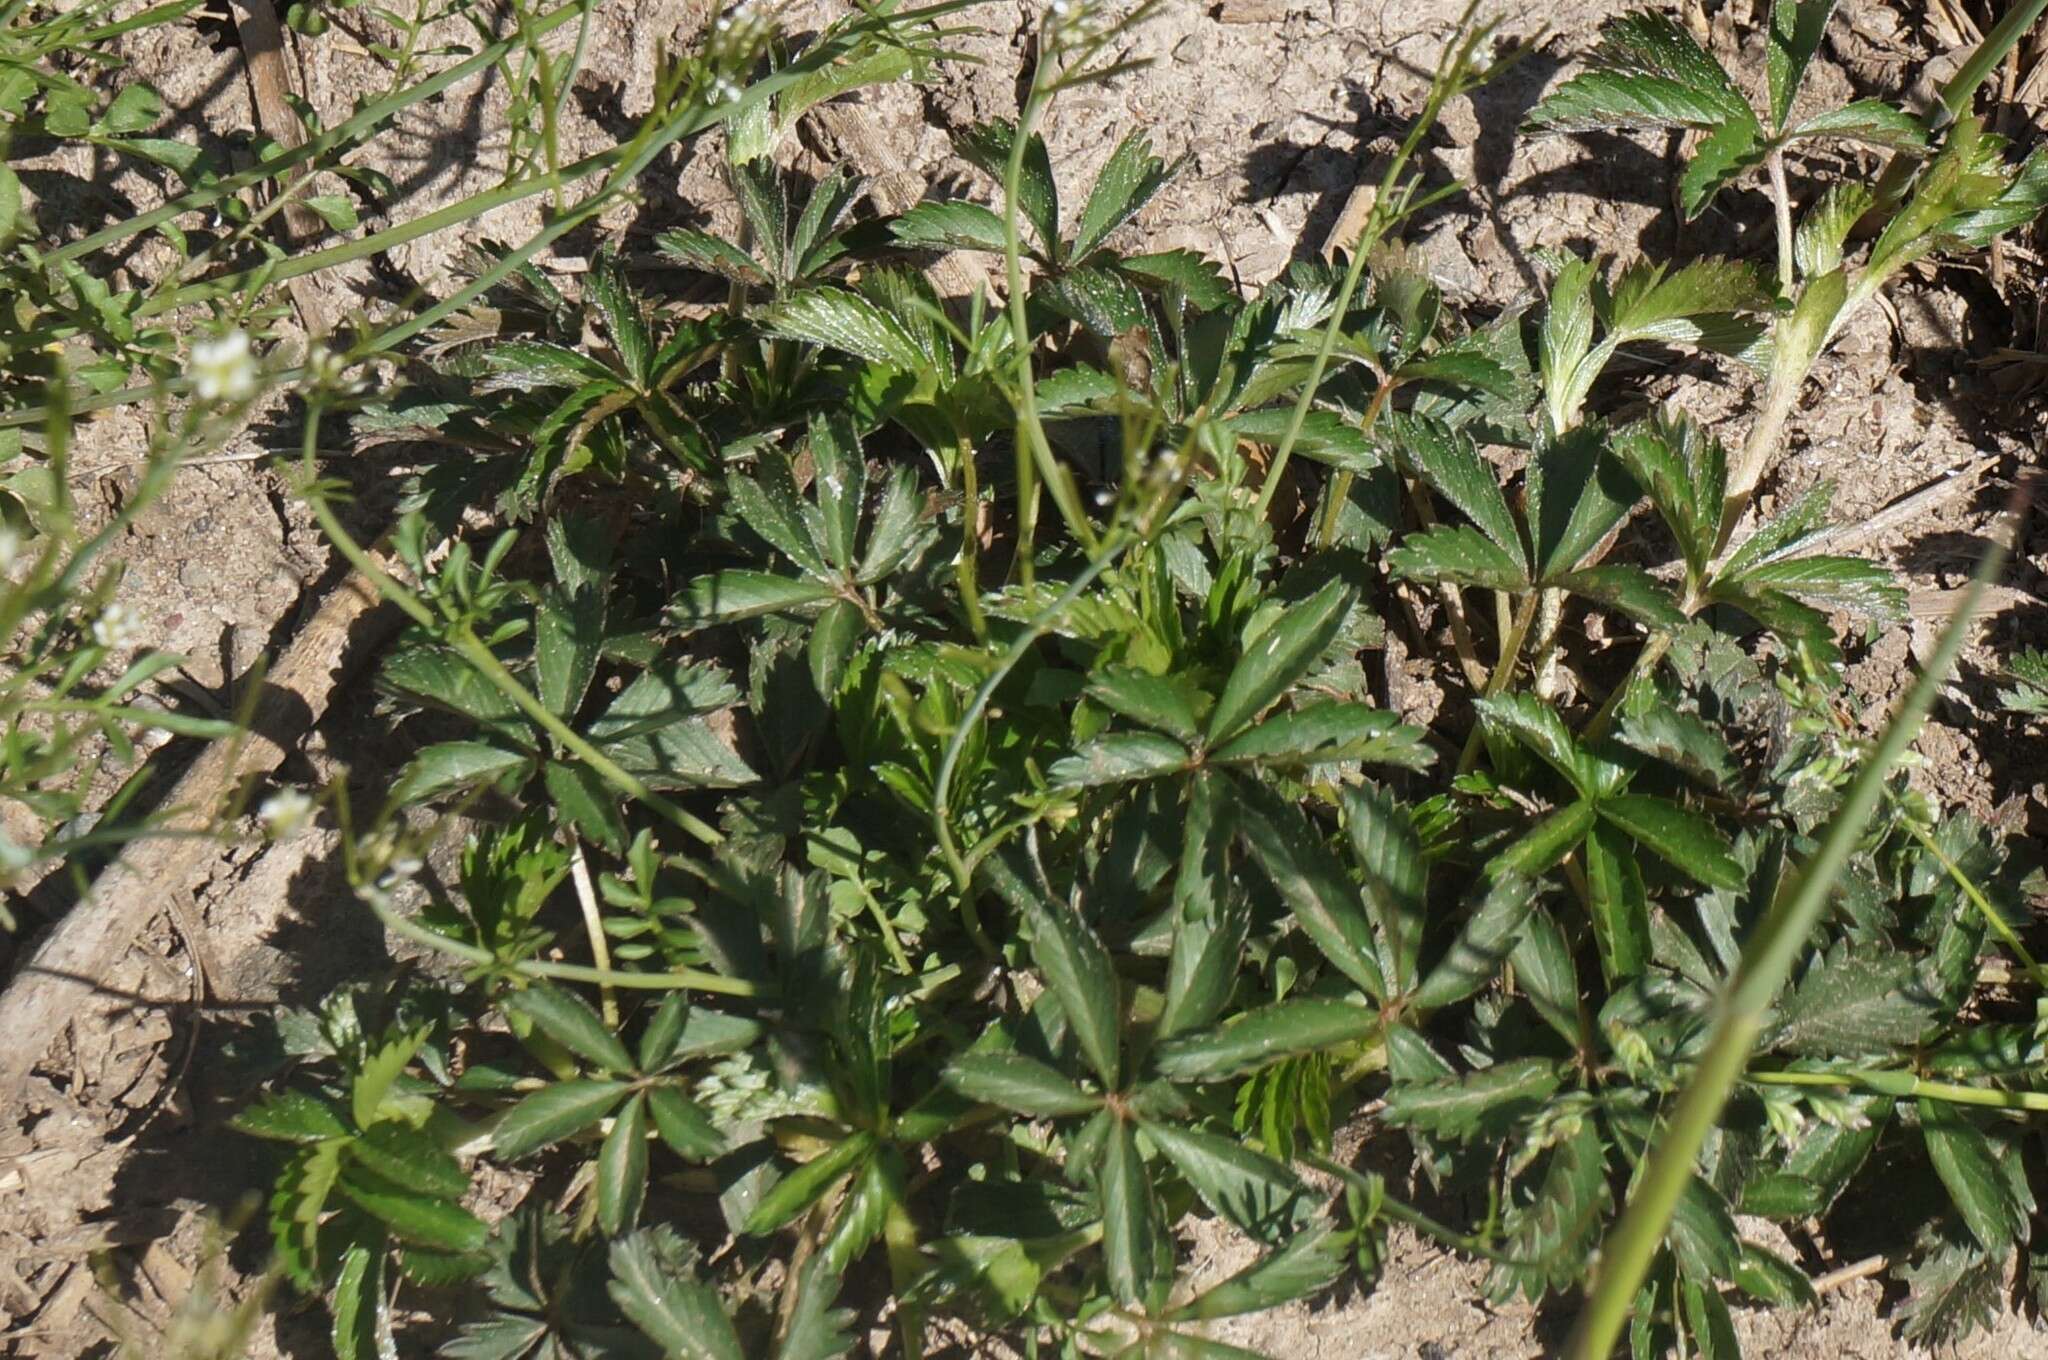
column 880, row 902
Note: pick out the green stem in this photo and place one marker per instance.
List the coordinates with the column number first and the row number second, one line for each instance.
column 471, row 649
column 1906, row 1086
column 340, row 135
column 1497, row 682
column 1957, row 94
column 1041, row 465
column 1767, row 960
column 942, row 786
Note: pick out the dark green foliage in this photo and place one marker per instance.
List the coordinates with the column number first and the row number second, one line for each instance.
column 972, row 895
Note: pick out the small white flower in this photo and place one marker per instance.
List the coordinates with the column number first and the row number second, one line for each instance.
column 723, row 91
column 117, row 628
column 10, row 547
column 223, row 368
column 284, row 812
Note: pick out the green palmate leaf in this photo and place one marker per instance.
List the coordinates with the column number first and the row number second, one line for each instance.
column 1264, row 1036
column 451, row 767
column 1871, row 121
column 1685, row 473
column 380, row 1071
column 535, row 365
column 1795, row 34
column 1100, row 299
column 1852, row 1005
column 1326, row 732
column 587, row 802
column 1542, row 959
column 2021, row 202
column 1078, row 971
column 1708, row 1319
column 840, row 480
column 711, row 254
column 769, row 503
column 1311, row 1259
column 552, row 1114
column 2028, row 692
column 1566, row 339
column 1577, row 495
column 683, row 1125
column 1020, row 1084
column 987, row 147
column 1620, row 908
column 1276, row 657
column 1197, row 278
column 362, row 1313
column 1684, row 305
column 1212, row 916
column 440, row 677
column 1309, row 880
column 1167, row 702
column 1265, row 1200
column 816, row 1330
column 1536, row 727
column 292, row 1117
column 1830, row 1154
column 1683, row 740
column 1127, row 182
column 1690, row 842
column 568, row 635
column 1722, row 157
column 410, row 1159
column 654, row 1284
column 1764, row 1275
column 831, row 644
column 1849, row 583
column 1449, row 461
column 812, row 242
column 728, row 596
column 625, row 323
column 950, row 225
column 1490, row 1102
column 1955, row 1292
column 1817, row 246
column 1546, row 843
column 895, row 531
column 1702, row 1235
column 862, row 1211
column 1963, row 1158
column 622, row 1168
column 1120, row 757
column 418, row 1219
column 1648, row 73
column 1459, row 555
column 1548, row 1239
column 569, row 1020
column 1781, row 535
column 1385, row 846
column 1477, row 953
column 806, row 1185
column 839, row 319
column 1130, row 1219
